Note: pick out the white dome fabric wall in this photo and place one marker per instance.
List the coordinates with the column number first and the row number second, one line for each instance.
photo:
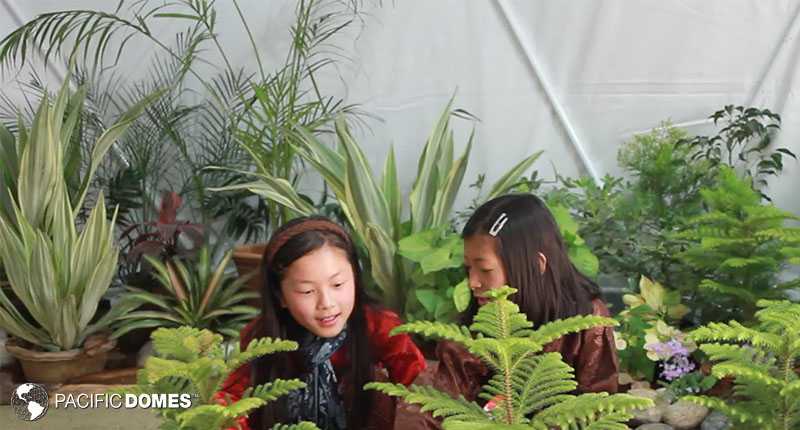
column 575, row 78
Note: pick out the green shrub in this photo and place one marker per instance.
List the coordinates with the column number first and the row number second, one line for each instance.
column 195, row 361
column 763, row 362
column 739, row 246
column 531, row 389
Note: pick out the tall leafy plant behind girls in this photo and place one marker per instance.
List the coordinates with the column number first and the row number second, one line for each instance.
column 313, row 294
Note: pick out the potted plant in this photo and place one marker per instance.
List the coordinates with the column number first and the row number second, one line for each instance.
column 203, row 297
column 56, row 271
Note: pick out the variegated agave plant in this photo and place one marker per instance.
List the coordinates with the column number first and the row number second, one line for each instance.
column 58, row 272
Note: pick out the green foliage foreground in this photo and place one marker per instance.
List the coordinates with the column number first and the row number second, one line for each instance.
column 195, row 361
column 763, row 362
column 533, row 390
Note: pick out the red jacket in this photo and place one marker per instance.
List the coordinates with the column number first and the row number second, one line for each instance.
column 398, row 355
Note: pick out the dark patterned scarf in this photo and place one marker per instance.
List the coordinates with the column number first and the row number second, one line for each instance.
column 319, row 402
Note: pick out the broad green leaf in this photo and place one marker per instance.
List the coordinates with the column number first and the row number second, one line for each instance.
column 462, row 295
column 416, row 246
column 564, row 219
column 583, row 259
column 428, row 298
column 437, row 260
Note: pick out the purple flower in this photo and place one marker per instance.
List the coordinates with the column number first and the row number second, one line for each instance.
column 677, row 366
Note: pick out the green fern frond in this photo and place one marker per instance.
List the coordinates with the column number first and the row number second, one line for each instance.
column 744, row 370
column 272, row 390
column 501, row 319
column 751, row 262
column 611, row 421
column 709, row 286
column 772, row 310
column 556, row 329
column 491, row 425
column 499, row 353
column 791, row 390
column 184, row 343
column 790, row 251
column 791, row 234
column 261, row 347
column 766, row 384
column 435, row 330
column 728, row 352
column 158, row 368
column 543, row 384
column 765, row 214
column 205, row 416
column 432, row 400
column 712, row 242
column 581, row 410
column 243, row 407
column 781, row 322
column 715, row 218
column 736, row 332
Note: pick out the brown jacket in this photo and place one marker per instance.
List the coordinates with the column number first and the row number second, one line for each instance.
column 592, row 353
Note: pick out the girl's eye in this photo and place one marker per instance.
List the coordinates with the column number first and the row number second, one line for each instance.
column 338, row 284
column 486, row 270
column 306, row 292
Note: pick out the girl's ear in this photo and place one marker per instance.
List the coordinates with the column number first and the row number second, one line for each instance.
column 542, row 263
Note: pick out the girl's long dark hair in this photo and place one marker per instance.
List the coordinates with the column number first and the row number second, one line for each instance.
column 562, row 290
column 278, row 323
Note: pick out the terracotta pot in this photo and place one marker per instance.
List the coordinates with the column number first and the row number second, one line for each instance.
column 58, row 367
column 248, row 261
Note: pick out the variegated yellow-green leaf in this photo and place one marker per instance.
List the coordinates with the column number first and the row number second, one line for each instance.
column 58, row 273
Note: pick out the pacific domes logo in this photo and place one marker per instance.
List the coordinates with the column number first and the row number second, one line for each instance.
column 29, row 401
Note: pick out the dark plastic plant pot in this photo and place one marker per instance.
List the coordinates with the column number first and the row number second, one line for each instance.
column 59, row 367
column 248, row 261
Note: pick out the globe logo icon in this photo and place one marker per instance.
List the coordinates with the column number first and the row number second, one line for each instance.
column 29, row 402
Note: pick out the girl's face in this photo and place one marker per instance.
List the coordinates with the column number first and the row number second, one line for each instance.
column 319, row 290
column 484, row 267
